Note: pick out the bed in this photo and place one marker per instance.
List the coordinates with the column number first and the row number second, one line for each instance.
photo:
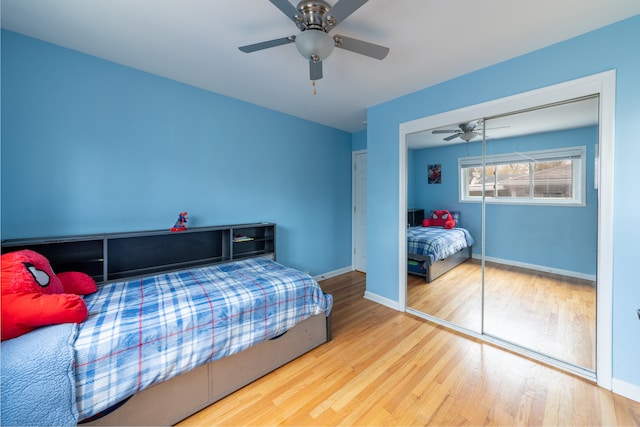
column 158, row 348
column 433, row 251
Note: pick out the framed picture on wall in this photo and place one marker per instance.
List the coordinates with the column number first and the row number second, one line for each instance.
column 434, row 174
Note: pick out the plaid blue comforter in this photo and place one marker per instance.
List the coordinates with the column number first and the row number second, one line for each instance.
column 145, row 331
column 437, row 242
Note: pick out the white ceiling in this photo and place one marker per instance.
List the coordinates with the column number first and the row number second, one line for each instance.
column 196, row 42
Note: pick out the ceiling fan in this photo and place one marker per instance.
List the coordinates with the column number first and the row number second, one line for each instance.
column 467, row 131
column 315, row 19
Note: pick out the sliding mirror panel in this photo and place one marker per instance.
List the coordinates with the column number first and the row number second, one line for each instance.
column 443, row 254
column 540, row 229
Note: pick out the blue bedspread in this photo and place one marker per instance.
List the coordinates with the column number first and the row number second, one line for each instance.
column 37, row 378
column 142, row 332
column 437, row 242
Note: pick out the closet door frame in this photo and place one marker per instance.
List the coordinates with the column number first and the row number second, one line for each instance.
column 603, row 84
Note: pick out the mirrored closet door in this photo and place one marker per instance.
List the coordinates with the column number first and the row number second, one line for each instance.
column 444, row 269
column 540, row 222
column 522, row 187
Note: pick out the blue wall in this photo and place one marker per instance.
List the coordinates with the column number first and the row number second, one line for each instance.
column 359, row 141
column 559, row 237
column 89, row 146
column 611, row 47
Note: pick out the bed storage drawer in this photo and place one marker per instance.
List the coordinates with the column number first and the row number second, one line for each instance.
column 172, row 401
column 164, row 403
column 238, row 370
column 416, row 267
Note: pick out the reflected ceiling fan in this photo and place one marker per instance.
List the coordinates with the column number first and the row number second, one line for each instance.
column 466, row 131
column 315, row 19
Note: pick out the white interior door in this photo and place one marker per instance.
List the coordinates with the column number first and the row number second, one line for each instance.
column 360, row 211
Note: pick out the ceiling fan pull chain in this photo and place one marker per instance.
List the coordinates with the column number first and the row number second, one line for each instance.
column 313, row 83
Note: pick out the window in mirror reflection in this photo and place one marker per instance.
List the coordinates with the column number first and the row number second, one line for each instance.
column 536, row 177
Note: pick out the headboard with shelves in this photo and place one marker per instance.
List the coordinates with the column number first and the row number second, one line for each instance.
column 116, row 256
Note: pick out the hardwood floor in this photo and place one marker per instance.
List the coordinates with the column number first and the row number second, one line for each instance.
column 455, row 296
column 548, row 313
column 387, row 368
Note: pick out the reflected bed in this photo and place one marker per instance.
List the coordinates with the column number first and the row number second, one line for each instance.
column 432, row 251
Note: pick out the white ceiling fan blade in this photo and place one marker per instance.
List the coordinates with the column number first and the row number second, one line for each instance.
column 286, row 8
column 342, row 9
column 315, row 70
column 266, row 45
column 363, row 48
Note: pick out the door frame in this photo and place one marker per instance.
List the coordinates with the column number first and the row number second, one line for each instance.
column 354, row 154
column 603, row 84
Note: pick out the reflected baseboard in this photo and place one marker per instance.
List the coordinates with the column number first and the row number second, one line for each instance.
column 535, row 267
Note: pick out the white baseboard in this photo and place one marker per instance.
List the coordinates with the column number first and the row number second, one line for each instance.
column 382, row 300
column 367, row 295
column 558, row 271
column 630, row 391
column 333, row 273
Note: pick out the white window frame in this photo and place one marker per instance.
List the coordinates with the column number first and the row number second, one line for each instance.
column 578, row 154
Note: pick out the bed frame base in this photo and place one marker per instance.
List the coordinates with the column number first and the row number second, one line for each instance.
column 180, row 397
column 120, row 256
column 440, row 267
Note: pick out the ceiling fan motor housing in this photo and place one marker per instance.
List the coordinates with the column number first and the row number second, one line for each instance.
column 313, row 15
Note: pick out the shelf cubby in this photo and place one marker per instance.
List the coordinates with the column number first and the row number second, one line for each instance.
column 117, row 256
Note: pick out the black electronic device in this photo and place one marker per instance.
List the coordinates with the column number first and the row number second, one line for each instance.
column 415, row 217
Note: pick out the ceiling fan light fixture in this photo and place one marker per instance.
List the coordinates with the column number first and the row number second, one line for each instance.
column 468, row 136
column 315, row 45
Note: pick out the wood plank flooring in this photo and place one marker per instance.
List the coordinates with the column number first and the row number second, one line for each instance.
column 387, row 368
column 544, row 312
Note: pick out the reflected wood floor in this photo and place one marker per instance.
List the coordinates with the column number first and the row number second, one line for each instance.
column 544, row 312
column 388, row 368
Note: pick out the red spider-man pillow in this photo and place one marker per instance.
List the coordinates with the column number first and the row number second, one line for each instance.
column 441, row 218
column 33, row 296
